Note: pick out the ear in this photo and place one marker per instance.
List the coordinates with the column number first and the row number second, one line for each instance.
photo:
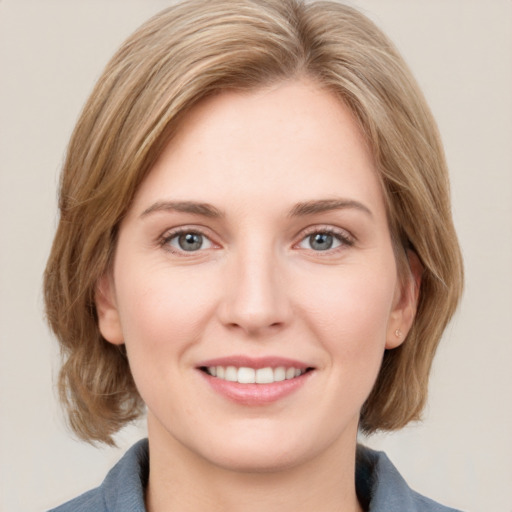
column 106, row 307
column 405, row 303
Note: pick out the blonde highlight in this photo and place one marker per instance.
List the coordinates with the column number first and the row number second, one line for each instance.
column 196, row 49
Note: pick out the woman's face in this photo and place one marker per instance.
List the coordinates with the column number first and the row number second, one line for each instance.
column 257, row 250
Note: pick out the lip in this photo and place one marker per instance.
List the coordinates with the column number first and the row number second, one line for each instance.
column 255, row 362
column 255, row 394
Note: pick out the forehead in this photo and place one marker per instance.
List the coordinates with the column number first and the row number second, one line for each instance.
column 292, row 141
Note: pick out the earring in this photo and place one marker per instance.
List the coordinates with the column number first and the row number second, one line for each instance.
column 398, row 333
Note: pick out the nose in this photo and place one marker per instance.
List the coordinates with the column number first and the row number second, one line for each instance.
column 255, row 298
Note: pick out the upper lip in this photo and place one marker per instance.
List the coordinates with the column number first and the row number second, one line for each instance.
column 240, row 361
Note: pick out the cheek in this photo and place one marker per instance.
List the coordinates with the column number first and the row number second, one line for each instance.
column 160, row 309
column 350, row 311
column 162, row 316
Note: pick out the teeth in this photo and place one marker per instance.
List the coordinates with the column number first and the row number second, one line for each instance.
column 231, row 374
column 245, row 375
column 264, row 376
column 279, row 374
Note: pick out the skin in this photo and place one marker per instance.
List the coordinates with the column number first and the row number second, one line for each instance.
column 257, row 286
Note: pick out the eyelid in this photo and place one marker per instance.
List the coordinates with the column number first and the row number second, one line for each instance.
column 169, row 234
column 344, row 236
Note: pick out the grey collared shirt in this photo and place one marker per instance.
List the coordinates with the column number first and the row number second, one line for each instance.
column 380, row 487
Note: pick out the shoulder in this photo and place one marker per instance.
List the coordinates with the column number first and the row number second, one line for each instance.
column 123, row 488
column 87, row 502
column 381, row 486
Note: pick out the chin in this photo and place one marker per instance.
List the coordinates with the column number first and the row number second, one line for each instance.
column 260, row 450
column 254, row 459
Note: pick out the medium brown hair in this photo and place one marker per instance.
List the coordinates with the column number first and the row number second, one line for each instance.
column 182, row 55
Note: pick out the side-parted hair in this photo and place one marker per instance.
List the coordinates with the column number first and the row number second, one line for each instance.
column 179, row 57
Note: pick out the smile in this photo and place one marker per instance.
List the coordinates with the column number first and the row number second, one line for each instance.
column 247, row 375
column 259, row 381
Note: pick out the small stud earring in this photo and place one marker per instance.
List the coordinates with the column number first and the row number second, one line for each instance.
column 398, row 333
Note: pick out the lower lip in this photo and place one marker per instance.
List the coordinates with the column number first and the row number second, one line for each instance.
column 256, row 394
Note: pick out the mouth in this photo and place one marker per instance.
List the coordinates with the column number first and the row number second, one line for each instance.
column 255, row 381
column 251, row 375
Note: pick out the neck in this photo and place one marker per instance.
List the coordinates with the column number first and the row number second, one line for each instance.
column 181, row 480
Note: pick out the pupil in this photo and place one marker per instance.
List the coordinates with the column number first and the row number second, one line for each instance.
column 190, row 241
column 321, row 241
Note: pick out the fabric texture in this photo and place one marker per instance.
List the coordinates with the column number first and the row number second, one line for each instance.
column 380, row 487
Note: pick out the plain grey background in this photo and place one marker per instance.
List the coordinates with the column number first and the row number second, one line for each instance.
column 52, row 51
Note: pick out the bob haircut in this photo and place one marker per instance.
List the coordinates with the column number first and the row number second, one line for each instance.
column 183, row 55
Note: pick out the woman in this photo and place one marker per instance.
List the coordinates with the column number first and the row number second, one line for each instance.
column 256, row 245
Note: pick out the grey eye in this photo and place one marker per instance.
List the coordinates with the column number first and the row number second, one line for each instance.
column 190, row 242
column 321, row 241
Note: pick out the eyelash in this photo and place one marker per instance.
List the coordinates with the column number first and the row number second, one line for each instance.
column 344, row 238
column 168, row 236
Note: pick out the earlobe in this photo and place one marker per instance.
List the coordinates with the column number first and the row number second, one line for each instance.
column 106, row 308
column 406, row 302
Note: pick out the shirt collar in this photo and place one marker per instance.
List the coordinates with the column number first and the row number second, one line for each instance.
column 380, row 488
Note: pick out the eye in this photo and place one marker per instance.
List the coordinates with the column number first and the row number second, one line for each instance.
column 188, row 241
column 324, row 240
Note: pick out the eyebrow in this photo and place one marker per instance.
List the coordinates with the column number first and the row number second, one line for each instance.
column 299, row 210
column 204, row 209
column 326, row 205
